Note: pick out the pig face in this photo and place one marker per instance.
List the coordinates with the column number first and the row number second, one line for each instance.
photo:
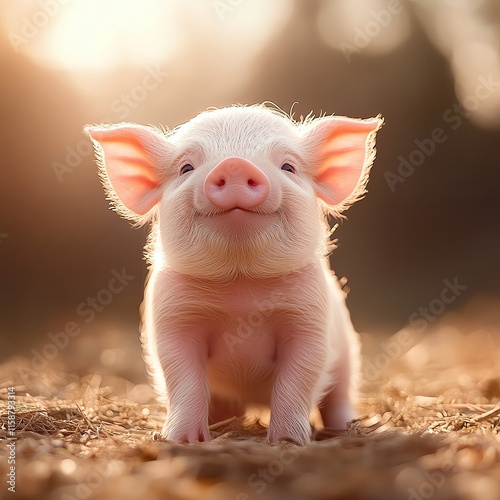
column 237, row 191
column 241, row 197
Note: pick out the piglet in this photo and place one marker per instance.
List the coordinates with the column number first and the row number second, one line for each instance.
column 240, row 306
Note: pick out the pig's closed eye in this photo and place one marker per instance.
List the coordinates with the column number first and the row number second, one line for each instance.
column 186, row 168
column 288, row 168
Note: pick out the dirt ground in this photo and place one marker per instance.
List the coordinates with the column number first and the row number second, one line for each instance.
column 428, row 428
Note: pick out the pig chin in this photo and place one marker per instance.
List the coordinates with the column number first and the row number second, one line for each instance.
column 228, row 246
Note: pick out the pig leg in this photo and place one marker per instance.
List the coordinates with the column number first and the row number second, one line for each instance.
column 337, row 407
column 301, row 365
column 182, row 361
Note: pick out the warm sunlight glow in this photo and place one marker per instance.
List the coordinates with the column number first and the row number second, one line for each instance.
column 100, row 34
column 354, row 29
column 90, row 37
column 94, row 34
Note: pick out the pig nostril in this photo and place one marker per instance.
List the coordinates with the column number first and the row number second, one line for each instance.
column 252, row 183
column 221, row 182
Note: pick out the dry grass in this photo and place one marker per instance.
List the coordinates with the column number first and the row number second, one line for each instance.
column 430, row 429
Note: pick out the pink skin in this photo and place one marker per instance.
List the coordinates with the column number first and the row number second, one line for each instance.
column 241, row 307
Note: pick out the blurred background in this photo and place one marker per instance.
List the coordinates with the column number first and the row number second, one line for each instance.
column 428, row 223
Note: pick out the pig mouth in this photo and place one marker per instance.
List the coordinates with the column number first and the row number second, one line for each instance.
column 236, row 211
column 238, row 219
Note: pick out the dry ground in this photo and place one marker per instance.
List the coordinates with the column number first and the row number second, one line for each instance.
column 429, row 428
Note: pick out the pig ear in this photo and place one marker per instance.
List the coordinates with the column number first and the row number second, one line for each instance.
column 130, row 157
column 342, row 150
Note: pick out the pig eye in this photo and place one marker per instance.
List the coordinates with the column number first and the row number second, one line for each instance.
column 186, row 168
column 288, row 168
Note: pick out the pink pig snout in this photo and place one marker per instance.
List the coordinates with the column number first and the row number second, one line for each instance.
column 236, row 183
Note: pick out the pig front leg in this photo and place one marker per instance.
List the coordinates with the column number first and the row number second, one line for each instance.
column 301, row 366
column 182, row 359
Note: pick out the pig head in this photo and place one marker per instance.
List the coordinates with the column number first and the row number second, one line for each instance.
column 241, row 307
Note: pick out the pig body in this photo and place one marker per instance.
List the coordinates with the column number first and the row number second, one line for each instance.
column 241, row 307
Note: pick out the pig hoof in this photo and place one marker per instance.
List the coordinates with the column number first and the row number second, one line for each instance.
column 289, row 440
column 301, row 437
column 193, row 434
